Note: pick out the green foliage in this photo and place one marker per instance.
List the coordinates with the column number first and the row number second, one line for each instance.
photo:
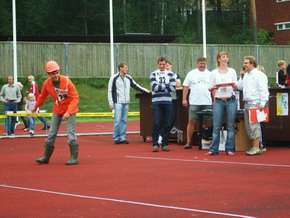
column 227, row 20
column 264, row 37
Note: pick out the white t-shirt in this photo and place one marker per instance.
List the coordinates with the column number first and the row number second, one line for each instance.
column 199, row 83
column 220, row 78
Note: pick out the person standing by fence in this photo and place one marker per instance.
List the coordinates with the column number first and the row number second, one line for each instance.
column 197, row 82
column 163, row 84
column 66, row 99
column 223, row 86
column 10, row 95
column 119, row 99
column 254, row 84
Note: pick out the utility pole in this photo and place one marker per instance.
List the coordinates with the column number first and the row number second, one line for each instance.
column 124, row 16
column 162, row 17
column 254, row 20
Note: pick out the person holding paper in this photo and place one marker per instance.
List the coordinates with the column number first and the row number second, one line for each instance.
column 254, row 84
column 223, row 86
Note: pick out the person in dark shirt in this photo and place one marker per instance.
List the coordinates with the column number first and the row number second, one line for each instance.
column 281, row 74
column 287, row 82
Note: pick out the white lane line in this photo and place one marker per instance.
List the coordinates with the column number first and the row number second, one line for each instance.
column 209, row 161
column 125, row 201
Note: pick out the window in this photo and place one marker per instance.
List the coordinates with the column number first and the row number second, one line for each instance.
column 278, row 1
column 283, row 26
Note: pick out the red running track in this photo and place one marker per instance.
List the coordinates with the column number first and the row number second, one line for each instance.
column 131, row 181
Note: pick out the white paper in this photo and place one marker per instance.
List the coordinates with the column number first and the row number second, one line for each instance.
column 261, row 116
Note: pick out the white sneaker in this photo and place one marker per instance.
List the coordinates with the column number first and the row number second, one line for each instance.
column 11, row 136
column 16, row 124
column 160, row 140
column 31, row 132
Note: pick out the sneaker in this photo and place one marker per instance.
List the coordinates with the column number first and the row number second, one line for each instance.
column 211, row 153
column 31, row 132
column 263, row 148
column 165, row 148
column 155, row 148
column 116, row 142
column 187, row 146
column 230, row 153
column 16, row 124
column 253, row 151
column 11, row 135
column 123, row 142
column 45, row 128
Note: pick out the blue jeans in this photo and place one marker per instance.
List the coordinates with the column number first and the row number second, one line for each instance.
column 120, row 121
column 10, row 121
column 221, row 110
column 44, row 122
column 162, row 120
column 31, row 123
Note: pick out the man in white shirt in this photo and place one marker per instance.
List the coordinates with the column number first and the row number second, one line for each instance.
column 198, row 82
column 254, row 84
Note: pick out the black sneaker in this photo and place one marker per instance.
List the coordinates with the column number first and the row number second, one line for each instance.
column 165, row 148
column 155, row 148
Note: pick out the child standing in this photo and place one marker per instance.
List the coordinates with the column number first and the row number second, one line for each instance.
column 29, row 106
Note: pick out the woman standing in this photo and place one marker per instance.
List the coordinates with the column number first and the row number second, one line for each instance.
column 224, row 83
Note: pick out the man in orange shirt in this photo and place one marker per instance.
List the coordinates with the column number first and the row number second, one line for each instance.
column 65, row 107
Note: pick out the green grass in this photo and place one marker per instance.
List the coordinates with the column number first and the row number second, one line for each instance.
column 93, row 96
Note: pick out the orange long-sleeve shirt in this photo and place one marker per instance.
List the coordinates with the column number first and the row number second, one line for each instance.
column 66, row 97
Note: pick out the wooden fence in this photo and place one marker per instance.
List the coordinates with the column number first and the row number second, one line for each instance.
column 85, row 60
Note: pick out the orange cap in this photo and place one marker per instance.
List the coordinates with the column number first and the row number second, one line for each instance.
column 51, row 66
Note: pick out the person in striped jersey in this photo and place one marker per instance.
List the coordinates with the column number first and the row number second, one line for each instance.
column 162, row 83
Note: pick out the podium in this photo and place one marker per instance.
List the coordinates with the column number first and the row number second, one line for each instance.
column 146, row 118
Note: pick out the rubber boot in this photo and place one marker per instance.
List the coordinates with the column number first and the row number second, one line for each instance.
column 48, row 150
column 74, row 151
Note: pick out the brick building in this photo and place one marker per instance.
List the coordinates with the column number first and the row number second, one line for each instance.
column 274, row 16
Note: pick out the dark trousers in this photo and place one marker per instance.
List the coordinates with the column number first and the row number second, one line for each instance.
column 162, row 120
column 173, row 114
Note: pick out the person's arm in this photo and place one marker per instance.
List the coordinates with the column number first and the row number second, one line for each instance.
column 155, row 85
column 240, row 81
column 178, row 81
column 42, row 97
column 263, row 90
column 18, row 95
column 2, row 94
column 171, row 87
column 235, row 80
column 26, row 106
column 110, row 94
column 74, row 95
column 184, row 96
column 136, row 86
